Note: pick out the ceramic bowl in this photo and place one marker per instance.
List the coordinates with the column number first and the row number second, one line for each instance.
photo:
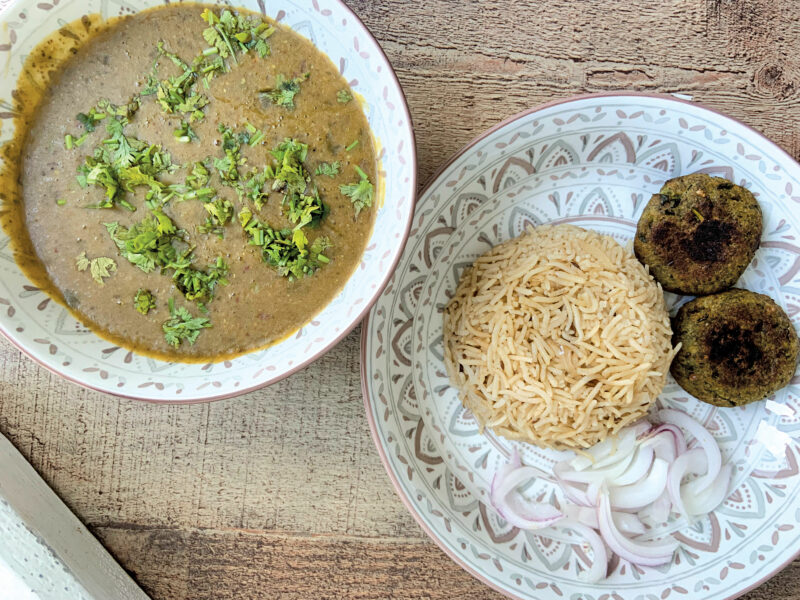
column 45, row 330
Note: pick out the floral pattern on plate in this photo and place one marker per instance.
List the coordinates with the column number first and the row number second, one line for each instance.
column 592, row 162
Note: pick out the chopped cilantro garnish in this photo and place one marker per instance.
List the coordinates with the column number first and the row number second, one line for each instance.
column 177, row 94
column 228, row 166
column 146, row 244
column 256, row 135
column 305, row 210
column 121, row 163
column 71, row 142
column 82, row 262
column 194, row 283
column 360, row 193
column 103, row 110
column 61, row 201
column 284, row 91
column 184, row 134
column 149, row 244
column 100, row 268
column 253, row 187
column 290, row 175
column 182, row 326
column 198, row 177
column 229, row 33
column 291, row 178
column 220, row 212
column 351, row 146
column 285, row 249
column 329, row 169
column 343, row 96
column 87, row 121
column 144, row 301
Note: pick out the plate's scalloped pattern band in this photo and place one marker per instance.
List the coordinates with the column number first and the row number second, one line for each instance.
column 50, row 335
column 593, row 162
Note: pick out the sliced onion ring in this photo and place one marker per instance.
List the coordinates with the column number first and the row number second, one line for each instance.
column 649, row 555
column 710, row 498
column 704, row 439
column 642, row 493
column 619, row 483
column 599, row 567
column 693, row 461
column 639, row 467
column 515, row 509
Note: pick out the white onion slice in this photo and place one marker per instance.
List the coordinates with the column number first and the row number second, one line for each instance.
column 658, row 511
column 575, row 493
column 641, row 493
column 514, row 508
column 693, row 461
column 704, row 440
column 664, row 446
column 598, row 474
column 677, row 435
column 628, row 523
column 519, row 512
column 582, row 514
column 649, row 555
column 599, row 567
column 639, row 467
column 710, row 498
column 611, row 449
column 620, row 487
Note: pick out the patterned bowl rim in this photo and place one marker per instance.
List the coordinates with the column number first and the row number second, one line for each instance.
column 412, row 185
column 365, row 329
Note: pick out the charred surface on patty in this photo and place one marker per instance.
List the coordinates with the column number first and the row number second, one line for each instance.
column 737, row 347
column 698, row 234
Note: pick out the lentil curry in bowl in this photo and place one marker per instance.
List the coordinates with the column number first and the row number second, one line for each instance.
column 195, row 183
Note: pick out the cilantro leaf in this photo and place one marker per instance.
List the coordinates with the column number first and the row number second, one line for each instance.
column 196, row 284
column 185, row 134
column 144, row 301
column 284, row 91
column 360, row 193
column 82, row 262
column 198, row 177
column 344, row 96
column 102, row 268
column 228, row 166
column 86, row 121
column 147, row 244
column 329, row 169
column 150, row 244
column 286, row 250
column 220, row 212
column 229, row 33
column 120, row 164
column 182, row 326
column 177, row 94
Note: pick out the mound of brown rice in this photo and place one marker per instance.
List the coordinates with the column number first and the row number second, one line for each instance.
column 559, row 337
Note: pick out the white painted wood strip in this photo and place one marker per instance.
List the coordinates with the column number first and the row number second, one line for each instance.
column 45, row 551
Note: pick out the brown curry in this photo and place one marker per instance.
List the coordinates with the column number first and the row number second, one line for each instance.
column 194, row 183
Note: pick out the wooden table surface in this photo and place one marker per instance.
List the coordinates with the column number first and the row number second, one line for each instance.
column 280, row 493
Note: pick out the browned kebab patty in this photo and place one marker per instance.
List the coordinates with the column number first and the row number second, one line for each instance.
column 736, row 347
column 698, row 234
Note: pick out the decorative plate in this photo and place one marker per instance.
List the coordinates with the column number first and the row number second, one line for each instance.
column 46, row 332
column 592, row 161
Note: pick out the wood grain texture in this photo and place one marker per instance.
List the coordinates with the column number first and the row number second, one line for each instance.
column 280, row 493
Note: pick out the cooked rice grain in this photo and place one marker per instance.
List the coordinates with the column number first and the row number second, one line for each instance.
column 559, row 337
